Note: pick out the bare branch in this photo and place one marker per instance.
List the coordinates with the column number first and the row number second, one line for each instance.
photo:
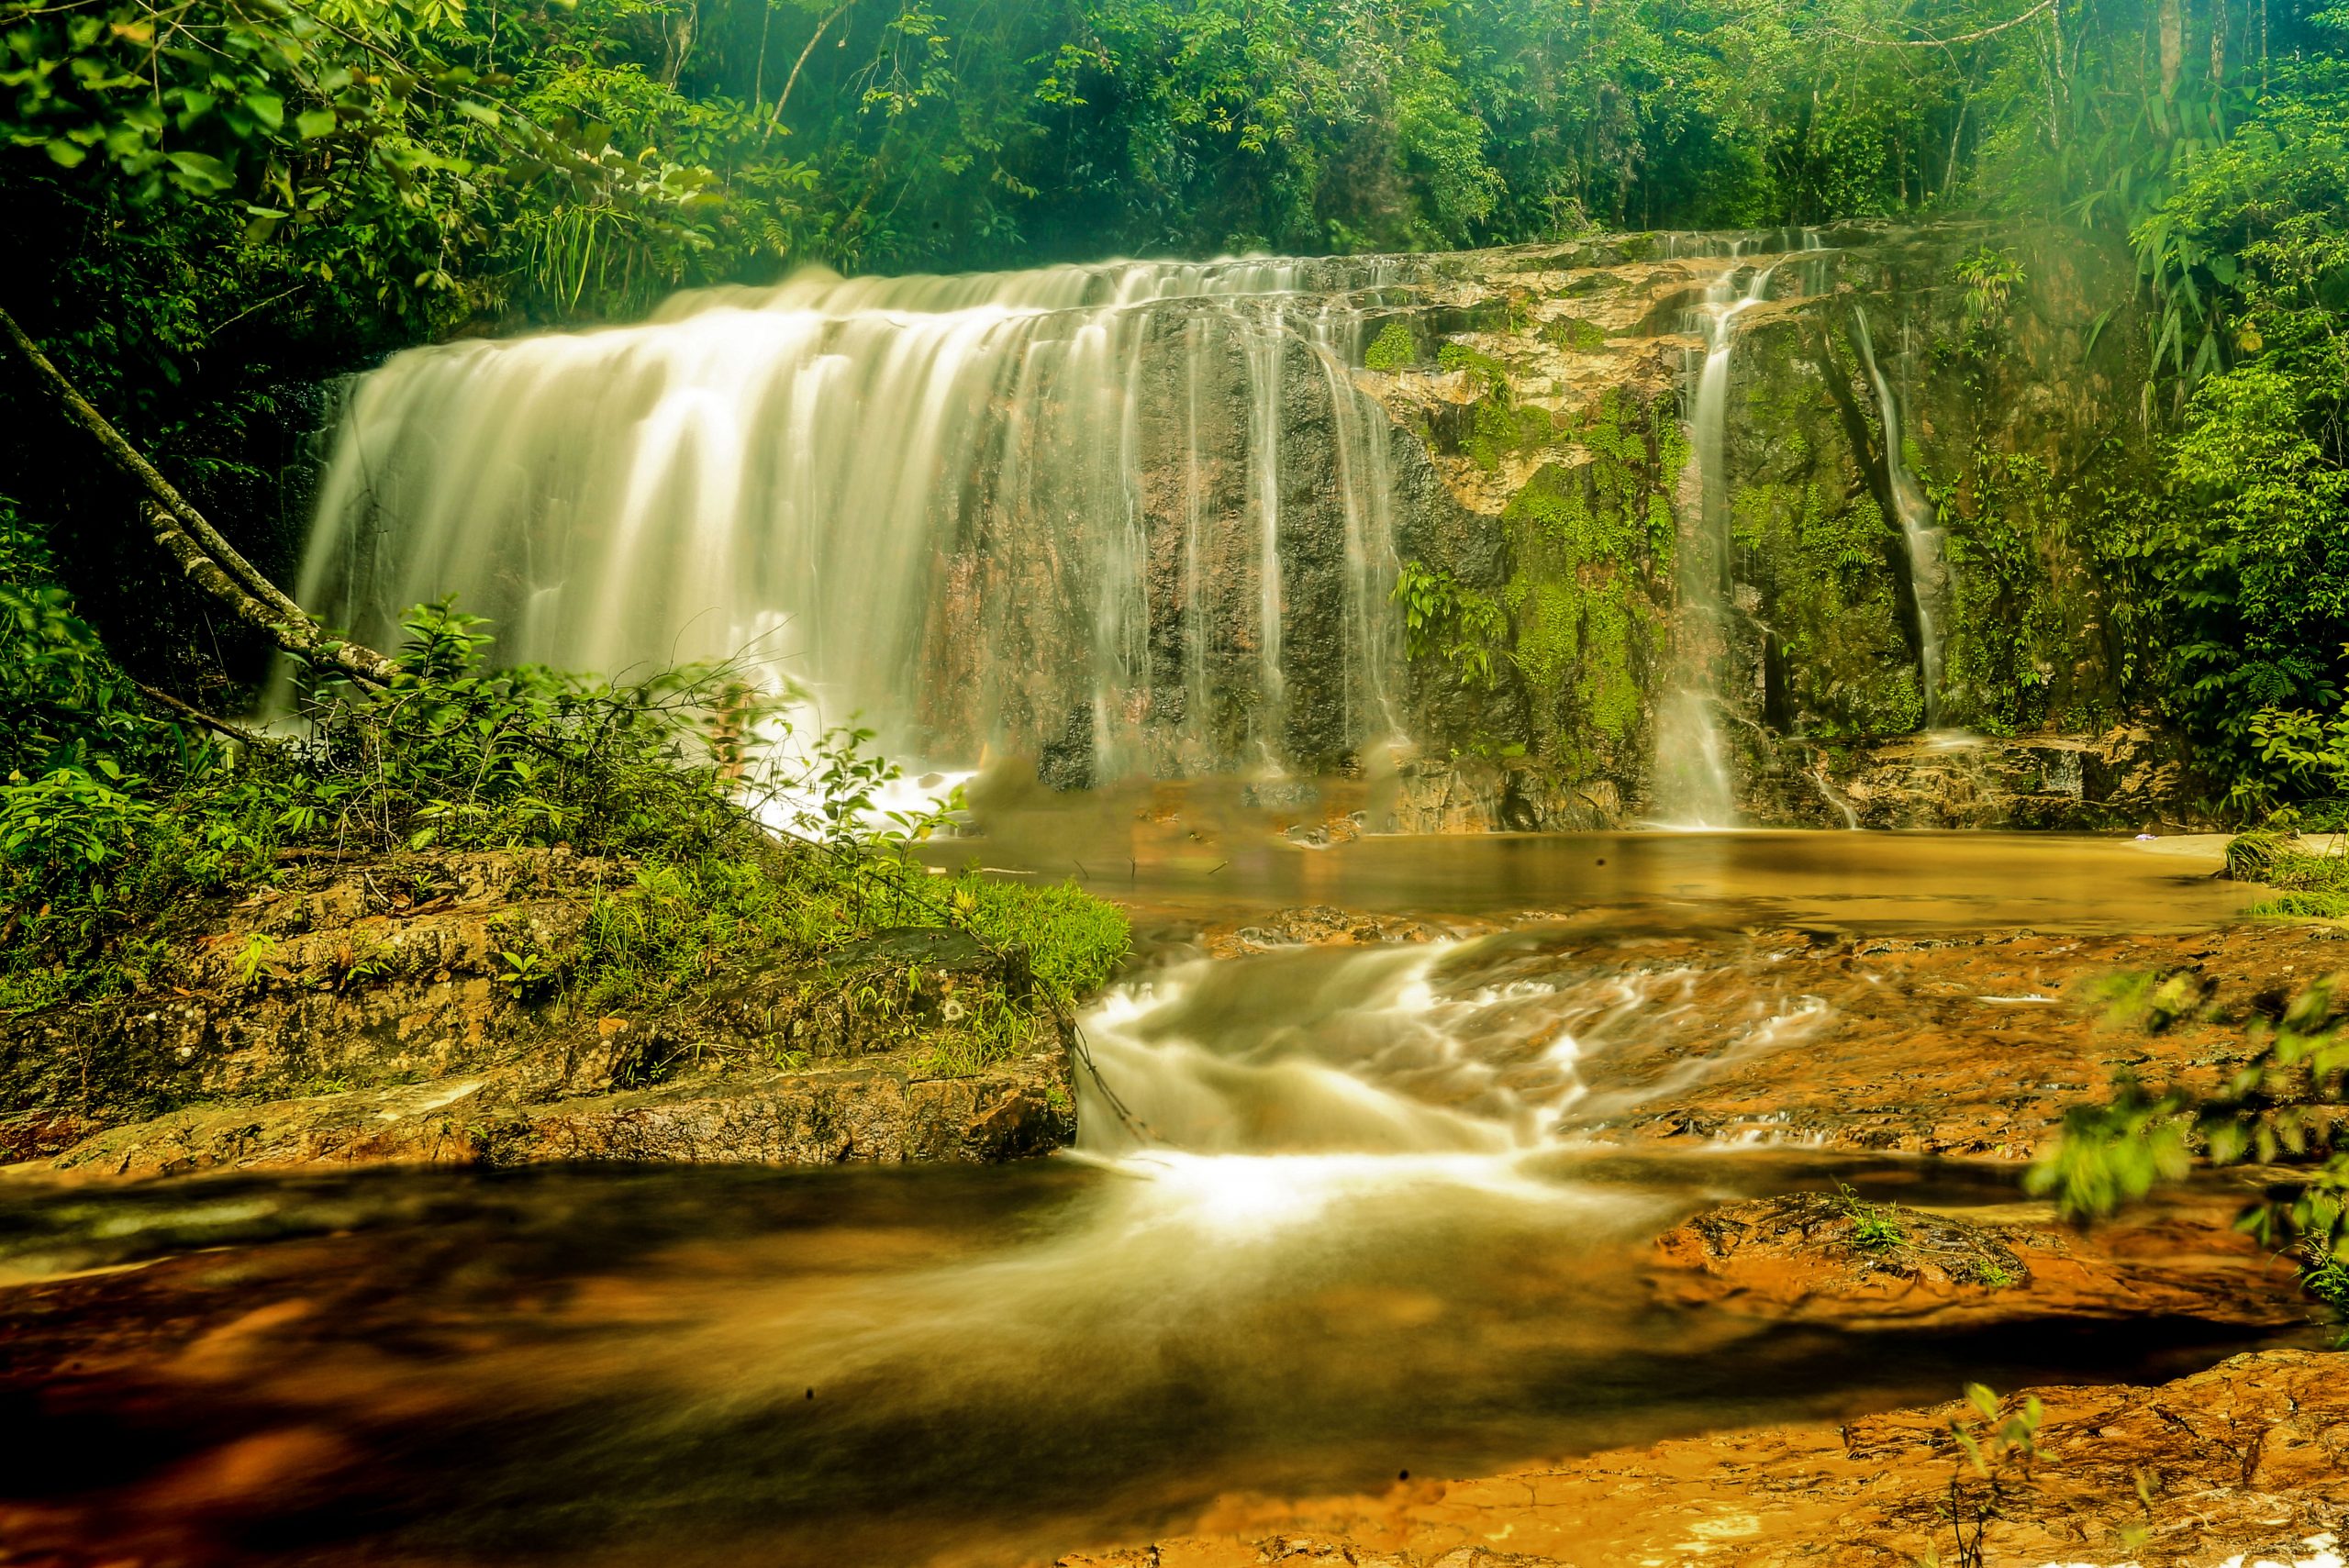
column 1975, row 37
column 208, row 560
column 793, row 79
column 197, row 715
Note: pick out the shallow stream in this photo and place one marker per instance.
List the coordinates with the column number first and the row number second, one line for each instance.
column 1321, row 1229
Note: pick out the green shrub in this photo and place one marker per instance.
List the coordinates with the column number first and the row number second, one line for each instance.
column 1442, row 615
column 649, row 783
column 1874, row 1227
column 1393, row 349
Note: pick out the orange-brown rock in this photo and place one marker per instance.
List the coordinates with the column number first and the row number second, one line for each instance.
column 1821, row 1257
column 2246, row 1464
column 367, row 1018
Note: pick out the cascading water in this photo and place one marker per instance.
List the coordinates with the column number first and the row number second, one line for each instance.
column 1695, row 785
column 1920, row 534
column 1132, row 516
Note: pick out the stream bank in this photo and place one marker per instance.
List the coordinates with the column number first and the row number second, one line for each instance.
column 2248, row 1462
column 1403, row 1181
column 429, row 1009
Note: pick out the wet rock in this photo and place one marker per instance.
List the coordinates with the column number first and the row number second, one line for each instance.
column 2246, row 1463
column 1323, row 925
column 883, row 1112
column 364, row 1021
column 1821, row 1254
column 1066, row 760
column 1818, row 1256
column 2127, row 777
column 1969, row 1046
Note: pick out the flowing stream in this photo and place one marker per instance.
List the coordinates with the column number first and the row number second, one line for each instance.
column 1924, row 538
column 1334, row 1215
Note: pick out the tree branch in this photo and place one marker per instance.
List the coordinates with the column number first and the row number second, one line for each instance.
column 793, row 79
column 127, row 458
column 196, row 714
column 202, row 556
column 1975, row 37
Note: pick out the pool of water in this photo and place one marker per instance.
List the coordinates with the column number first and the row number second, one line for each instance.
column 1203, row 851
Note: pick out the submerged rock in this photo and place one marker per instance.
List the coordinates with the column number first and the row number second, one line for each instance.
column 1821, row 1248
column 1819, row 1257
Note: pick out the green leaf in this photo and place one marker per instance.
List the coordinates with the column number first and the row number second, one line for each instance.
column 65, row 154
column 202, row 173
column 266, row 107
column 312, row 124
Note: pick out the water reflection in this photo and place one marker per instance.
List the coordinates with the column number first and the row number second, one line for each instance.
column 1212, row 851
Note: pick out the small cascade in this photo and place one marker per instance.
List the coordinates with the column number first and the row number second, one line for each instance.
column 1128, row 518
column 1342, row 1054
column 1695, row 785
column 1457, row 1053
column 1920, row 533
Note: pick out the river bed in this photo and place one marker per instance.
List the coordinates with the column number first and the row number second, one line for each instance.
column 1330, row 1221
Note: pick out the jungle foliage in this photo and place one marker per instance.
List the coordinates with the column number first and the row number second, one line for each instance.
column 122, row 823
column 218, row 206
column 2246, row 263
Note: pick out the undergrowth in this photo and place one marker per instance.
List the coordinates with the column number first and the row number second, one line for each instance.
column 2308, row 887
column 123, row 822
column 1874, row 1226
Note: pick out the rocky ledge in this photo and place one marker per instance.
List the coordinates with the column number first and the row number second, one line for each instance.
column 369, row 1018
column 1823, row 1257
column 2246, row 1464
column 1970, row 1045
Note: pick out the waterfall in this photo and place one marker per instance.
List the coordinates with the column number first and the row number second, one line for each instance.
column 1132, row 516
column 1920, row 532
column 1694, row 782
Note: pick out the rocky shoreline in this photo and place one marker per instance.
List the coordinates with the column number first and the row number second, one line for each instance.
column 1996, row 1033
column 372, row 1018
column 1964, row 1047
column 2247, row 1462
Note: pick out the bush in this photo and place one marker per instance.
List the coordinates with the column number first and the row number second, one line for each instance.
column 2282, row 1109
column 657, row 786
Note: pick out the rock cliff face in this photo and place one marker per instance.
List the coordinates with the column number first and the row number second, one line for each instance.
column 1678, row 527
column 1590, row 572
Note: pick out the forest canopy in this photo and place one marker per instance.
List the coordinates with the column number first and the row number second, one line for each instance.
column 457, row 159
